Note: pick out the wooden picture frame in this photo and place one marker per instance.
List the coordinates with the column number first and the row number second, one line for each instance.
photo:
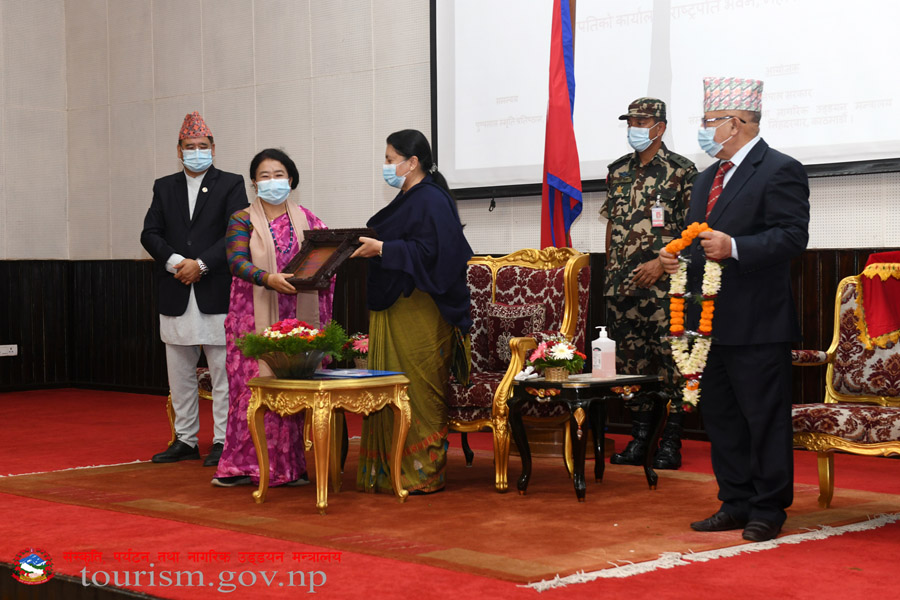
column 320, row 255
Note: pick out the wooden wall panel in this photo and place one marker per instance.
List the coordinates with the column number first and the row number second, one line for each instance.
column 94, row 323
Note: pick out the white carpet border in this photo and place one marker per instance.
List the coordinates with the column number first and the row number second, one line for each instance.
column 668, row 560
column 133, row 462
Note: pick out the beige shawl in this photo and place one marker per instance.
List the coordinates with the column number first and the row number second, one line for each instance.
column 262, row 254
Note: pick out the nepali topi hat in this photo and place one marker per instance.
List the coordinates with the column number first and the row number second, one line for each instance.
column 732, row 93
column 194, row 126
column 646, row 107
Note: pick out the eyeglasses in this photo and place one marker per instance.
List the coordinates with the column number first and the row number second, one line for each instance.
column 704, row 123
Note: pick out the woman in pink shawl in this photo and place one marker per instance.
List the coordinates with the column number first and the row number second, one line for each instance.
column 261, row 241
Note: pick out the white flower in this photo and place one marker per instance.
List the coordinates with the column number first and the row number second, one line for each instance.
column 678, row 281
column 562, row 351
column 712, row 278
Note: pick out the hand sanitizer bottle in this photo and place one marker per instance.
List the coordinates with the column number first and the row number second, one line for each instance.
column 603, row 356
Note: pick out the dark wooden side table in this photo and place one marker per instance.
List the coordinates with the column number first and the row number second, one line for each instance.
column 586, row 400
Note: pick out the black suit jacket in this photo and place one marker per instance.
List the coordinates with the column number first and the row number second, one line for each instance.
column 169, row 229
column 765, row 208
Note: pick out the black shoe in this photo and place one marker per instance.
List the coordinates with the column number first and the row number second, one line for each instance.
column 215, row 453
column 761, row 531
column 177, row 451
column 721, row 521
column 231, row 481
column 669, row 455
column 636, row 450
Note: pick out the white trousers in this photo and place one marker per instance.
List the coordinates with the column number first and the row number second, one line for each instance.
column 181, row 363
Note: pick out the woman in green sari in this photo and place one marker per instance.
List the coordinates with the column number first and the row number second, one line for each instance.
column 419, row 313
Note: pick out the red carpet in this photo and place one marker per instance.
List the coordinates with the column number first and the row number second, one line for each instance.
column 132, row 427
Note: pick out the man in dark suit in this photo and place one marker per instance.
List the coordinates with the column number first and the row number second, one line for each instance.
column 756, row 200
column 184, row 231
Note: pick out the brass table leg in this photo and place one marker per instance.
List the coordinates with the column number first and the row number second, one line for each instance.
column 322, row 444
column 256, row 412
column 402, row 419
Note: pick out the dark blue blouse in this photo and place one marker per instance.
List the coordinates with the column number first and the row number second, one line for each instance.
column 425, row 249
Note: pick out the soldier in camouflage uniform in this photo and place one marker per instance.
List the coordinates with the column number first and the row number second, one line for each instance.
column 649, row 192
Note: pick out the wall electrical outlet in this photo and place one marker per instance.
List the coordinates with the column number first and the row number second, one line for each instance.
column 9, row 350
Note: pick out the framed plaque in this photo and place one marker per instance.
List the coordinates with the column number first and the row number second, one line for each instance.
column 320, row 255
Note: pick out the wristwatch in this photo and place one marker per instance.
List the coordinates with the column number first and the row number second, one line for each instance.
column 203, row 268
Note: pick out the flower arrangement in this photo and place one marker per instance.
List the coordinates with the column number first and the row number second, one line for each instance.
column 557, row 352
column 691, row 358
column 357, row 346
column 291, row 337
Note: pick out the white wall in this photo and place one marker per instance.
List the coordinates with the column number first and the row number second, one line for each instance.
column 94, row 92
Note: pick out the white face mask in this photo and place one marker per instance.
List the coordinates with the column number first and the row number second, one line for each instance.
column 389, row 172
column 273, row 191
column 197, row 160
column 639, row 138
column 706, row 138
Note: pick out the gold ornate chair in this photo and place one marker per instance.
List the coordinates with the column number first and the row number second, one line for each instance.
column 861, row 410
column 515, row 299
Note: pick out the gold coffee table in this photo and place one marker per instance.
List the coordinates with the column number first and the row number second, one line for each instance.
column 320, row 397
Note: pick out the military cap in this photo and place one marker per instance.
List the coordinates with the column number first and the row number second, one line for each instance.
column 646, row 107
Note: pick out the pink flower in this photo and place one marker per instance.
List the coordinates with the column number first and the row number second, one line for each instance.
column 361, row 345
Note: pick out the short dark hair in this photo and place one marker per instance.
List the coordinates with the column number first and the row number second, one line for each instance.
column 211, row 142
column 280, row 156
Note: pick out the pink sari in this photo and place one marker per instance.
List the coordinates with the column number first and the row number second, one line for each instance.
column 287, row 460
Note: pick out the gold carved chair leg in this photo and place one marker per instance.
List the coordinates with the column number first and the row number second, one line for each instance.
column 826, row 478
column 171, row 413
column 501, row 456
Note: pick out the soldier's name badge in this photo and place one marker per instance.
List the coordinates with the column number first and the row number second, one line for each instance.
column 657, row 215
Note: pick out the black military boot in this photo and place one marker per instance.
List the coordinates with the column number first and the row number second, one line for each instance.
column 636, row 450
column 669, row 455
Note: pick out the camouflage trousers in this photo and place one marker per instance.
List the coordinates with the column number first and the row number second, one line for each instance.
column 638, row 325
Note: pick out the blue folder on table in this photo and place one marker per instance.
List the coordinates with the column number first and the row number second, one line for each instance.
column 353, row 373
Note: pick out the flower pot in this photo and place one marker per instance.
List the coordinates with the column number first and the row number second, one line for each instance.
column 556, row 373
column 361, row 362
column 294, row 366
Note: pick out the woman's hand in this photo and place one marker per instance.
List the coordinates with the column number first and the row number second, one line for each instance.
column 370, row 247
column 279, row 283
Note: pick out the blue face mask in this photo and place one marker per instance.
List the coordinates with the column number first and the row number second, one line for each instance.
column 273, row 191
column 639, row 138
column 389, row 172
column 197, row 160
column 706, row 139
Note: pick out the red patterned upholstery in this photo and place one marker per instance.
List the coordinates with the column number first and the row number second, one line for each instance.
column 506, row 322
column 527, row 277
column 861, row 411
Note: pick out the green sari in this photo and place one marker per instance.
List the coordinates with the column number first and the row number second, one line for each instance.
column 410, row 336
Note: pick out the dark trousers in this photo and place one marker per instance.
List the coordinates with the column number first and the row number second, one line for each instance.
column 745, row 400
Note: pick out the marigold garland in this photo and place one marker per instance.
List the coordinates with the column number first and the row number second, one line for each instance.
column 691, row 358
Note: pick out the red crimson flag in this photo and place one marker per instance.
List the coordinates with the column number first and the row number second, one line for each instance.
column 561, row 192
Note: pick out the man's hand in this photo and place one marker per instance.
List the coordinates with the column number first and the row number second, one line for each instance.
column 279, row 283
column 716, row 244
column 647, row 273
column 187, row 271
column 668, row 261
column 370, row 247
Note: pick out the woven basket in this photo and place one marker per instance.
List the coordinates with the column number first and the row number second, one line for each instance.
column 556, row 373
